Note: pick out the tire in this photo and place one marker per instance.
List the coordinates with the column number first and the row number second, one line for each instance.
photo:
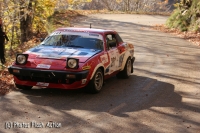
column 95, row 85
column 23, row 87
column 127, row 70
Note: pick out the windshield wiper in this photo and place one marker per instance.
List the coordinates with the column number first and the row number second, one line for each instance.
column 75, row 46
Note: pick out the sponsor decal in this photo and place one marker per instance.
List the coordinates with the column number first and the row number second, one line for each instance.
column 104, row 59
column 42, row 84
column 82, row 53
column 46, row 62
column 43, row 66
column 58, row 53
column 113, row 59
column 58, row 49
column 86, row 67
column 82, row 34
column 56, row 33
column 114, row 55
column 94, row 35
column 121, row 58
column 50, row 56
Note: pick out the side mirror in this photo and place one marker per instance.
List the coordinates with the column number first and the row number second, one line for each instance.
column 112, row 43
column 41, row 39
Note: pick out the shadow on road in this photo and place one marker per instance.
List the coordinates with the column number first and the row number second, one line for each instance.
column 134, row 94
column 118, row 98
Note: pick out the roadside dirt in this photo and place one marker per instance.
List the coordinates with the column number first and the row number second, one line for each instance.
column 193, row 37
column 6, row 82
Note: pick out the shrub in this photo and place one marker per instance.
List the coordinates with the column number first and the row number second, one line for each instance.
column 186, row 16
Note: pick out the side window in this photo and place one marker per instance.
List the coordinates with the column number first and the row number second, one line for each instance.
column 111, row 41
column 109, row 37
column 119, row 39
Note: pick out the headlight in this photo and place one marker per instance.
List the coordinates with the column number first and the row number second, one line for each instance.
column 21, row 59
column 72, row 63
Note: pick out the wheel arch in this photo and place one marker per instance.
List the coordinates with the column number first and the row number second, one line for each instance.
column 126, row 56
column 96, row 68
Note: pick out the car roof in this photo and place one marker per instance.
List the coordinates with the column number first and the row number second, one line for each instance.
column 75, row 29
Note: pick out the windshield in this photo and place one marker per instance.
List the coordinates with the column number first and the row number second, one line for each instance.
column 73, row 41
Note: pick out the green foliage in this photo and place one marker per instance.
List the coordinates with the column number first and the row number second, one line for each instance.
column 170, row 21
column 43, row 9
column 186, row 16
column 178, row 21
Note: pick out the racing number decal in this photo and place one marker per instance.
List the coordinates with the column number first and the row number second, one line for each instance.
column 114, row 59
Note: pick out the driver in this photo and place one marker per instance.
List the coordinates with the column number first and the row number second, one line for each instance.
column 64, row 40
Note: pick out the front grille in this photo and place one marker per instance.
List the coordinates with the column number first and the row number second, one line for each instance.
column 48, row 76
column 46, row 79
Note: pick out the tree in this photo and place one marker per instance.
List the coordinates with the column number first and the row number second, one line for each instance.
column 73, row 4
column 42, row 10
column 186, row 16
column 23, row 17
column 26, row 17
column 130, row 5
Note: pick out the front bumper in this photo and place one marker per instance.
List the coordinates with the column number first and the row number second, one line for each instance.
column 48, row 78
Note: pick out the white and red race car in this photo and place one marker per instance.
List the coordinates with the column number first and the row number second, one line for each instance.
column 72, row 58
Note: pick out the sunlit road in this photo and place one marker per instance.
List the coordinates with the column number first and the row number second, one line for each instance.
column 161, row 96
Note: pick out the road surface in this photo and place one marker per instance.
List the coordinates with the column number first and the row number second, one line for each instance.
column 161, row 96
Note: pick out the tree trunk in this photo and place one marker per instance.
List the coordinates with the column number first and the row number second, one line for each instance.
column 25, row 21
column 128, row 5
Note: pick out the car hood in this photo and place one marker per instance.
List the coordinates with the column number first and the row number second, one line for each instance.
column 54, row 52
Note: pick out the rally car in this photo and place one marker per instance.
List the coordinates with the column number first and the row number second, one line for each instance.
column 72, row 58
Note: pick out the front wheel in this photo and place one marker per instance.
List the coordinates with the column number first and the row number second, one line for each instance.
column 95, row 85
column 127, row 70
column 23, row 87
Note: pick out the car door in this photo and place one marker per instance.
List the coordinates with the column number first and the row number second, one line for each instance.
column 121, row 48
column 113, row 53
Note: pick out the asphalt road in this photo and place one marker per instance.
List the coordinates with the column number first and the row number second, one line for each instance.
column 161, row 96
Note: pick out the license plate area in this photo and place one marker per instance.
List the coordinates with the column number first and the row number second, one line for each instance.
column 42, row 84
